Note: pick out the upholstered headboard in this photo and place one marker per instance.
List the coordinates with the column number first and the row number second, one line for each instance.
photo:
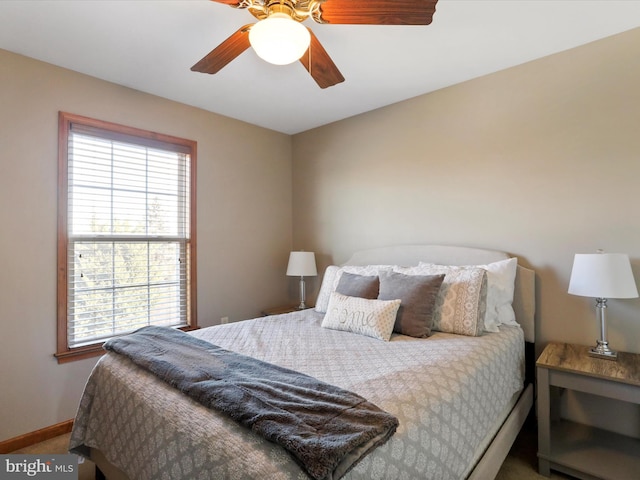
column 407, row 255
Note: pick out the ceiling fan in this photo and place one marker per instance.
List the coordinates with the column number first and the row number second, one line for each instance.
column 280, row 38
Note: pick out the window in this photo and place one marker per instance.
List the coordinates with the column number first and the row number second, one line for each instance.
column 126, row 233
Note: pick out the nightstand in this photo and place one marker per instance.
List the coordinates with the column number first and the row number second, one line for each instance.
column 579, row 450
column 281, row 310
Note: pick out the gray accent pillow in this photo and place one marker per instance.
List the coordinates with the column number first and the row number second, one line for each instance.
column 462, row 302
column 418, row 294
column 362, row 286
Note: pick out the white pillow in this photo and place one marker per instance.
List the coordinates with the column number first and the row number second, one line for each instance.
column 461, row 302
column 501, row 278
column 373, row 318
column 328, row 280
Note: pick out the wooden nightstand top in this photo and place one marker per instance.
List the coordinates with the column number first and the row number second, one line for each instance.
column 281, row 310
column 575, row 358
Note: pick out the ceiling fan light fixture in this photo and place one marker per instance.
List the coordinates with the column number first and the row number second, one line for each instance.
column 279, row 39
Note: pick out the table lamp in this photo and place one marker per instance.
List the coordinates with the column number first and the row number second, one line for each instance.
column 602, row 276
column 302, row 264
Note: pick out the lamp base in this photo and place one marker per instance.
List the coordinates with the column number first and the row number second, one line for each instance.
column 602, row 350
column 302, row 305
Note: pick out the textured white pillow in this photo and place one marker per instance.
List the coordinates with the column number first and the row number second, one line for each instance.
column 327, row 287
column 373, row 318
column 461, row 303
column 501, row 277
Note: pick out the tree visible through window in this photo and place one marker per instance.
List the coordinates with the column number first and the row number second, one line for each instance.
column 126, row 233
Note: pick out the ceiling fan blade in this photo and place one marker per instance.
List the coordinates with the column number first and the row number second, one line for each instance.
column 225, row 52
column 319, row 64
column 378, row 12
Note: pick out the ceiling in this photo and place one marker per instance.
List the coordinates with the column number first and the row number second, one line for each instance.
column 150, row 46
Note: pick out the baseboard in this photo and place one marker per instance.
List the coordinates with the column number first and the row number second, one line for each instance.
column 28, row 439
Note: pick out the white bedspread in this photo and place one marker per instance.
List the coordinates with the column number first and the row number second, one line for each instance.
column 447, row 392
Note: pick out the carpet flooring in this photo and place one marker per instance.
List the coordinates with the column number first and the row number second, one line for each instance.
column 521, row 464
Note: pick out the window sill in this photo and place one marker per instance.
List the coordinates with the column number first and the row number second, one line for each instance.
column 79, row 353
column 94, row 350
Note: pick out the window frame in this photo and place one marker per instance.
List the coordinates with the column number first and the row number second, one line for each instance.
column 65, row 353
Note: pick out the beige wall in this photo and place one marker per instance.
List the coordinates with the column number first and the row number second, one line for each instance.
column 541, row 160
column 244, row 223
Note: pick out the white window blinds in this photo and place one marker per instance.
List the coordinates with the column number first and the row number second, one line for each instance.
column 128, row 221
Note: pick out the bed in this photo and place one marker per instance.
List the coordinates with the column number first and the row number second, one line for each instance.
column 460, row 399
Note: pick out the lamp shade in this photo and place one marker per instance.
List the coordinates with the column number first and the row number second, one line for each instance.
column 602, row 275
column 279, row 39
column 302, row 264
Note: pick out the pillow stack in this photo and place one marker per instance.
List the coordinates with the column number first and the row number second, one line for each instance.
column 461, row 303
column 377, row 300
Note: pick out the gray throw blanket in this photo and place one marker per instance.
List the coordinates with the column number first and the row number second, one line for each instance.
column 326, row 429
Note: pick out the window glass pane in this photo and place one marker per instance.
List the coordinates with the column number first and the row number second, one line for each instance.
column 131, row 264
column 129, row 212
column 121, row 286
column 165, row 264
column 166, row 172
column 165, row 304
column 91, row 299
column 129, row 167
column 89, row 211
column 127, row 189
column 164, row 215
column 93, row 265
column 90, row 161
column 130, row 309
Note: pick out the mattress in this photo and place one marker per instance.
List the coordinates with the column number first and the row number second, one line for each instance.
column 447, row 391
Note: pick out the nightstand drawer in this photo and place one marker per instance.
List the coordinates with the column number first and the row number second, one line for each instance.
column 595, row 386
